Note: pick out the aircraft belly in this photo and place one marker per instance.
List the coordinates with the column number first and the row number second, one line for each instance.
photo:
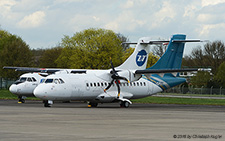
column 137, row 92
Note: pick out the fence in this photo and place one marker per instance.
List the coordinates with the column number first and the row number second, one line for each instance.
column 202, row 90
column 5, row 83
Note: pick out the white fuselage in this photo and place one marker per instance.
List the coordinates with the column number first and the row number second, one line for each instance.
column 26, row 84
column 90, row 87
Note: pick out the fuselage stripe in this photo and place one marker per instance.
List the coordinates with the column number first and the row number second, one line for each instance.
column 153, row 81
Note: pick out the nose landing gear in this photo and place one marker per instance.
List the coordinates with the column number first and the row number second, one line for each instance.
column 47, row 103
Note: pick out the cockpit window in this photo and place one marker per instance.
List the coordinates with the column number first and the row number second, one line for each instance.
column 34, row 79
column 56, row 81
column 42, row 81
column 29, row 79
column 23, row 79
column 61, row 81
column 48, row 80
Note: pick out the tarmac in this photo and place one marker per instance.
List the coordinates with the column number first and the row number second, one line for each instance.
column 31, row 121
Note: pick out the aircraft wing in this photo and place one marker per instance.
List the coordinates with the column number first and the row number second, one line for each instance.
column 45, row 70
column 27, row 69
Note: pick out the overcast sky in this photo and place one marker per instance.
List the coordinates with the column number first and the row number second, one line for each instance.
column 42, row 23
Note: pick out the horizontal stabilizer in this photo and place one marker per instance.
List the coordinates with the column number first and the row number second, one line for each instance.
column 161, row 42
column 163, row 71
column 145, row 43
column 184, row 41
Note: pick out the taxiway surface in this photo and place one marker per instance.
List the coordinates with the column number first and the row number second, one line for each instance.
column 74, row 121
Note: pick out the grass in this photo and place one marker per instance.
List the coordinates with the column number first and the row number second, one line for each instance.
column 5, row 94
column 202, row 95
column 184, row 101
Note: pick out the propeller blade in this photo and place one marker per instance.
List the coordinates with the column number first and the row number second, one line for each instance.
column 110, row 84
column 118, row 87
column 113, row 69
column 122, row 78
column 115, row 77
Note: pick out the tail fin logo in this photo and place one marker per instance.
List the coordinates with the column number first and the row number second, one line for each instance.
column 141, row 57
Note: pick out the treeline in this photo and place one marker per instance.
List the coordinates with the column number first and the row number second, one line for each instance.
column 92, row 48
column 88, row 49
column 211, row 56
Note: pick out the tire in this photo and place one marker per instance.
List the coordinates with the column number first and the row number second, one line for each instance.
column 124, row 104
column 93, row 104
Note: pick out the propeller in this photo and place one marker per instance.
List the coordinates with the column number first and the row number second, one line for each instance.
column 115, row 77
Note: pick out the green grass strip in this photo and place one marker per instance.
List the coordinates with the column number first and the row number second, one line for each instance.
column 5, row 94
column 184, row 101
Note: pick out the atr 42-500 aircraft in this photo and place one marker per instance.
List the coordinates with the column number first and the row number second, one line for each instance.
column 131, row 80
column 25, row 85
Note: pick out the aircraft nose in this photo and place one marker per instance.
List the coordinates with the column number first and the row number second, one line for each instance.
column 39, row 93
column 13, row 88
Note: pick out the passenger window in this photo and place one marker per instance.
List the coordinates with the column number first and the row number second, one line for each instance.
column 91, row 84
column 144, row 84
column 95, row 84
column 102, row 84
column 137, row 83
column 87, row 84
column 29, row 79
column 134, row 84
column 98, row 85
column 141, row 83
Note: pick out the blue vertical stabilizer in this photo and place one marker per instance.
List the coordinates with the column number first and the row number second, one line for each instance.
column 172, row 58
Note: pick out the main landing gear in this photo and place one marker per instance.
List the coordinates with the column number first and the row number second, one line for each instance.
column 124, row 104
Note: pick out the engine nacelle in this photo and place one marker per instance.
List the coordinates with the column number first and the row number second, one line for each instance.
column 129, row 75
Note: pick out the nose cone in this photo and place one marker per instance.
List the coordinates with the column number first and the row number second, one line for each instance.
column 39, row 92
column 13, row 88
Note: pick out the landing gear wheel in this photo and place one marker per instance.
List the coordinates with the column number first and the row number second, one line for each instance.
column 124, row 104
column 92, row 104
column 47, row 103
column 21, row 100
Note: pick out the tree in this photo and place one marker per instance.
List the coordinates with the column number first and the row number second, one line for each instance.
column 37, row 54
column 48, row 59
column 91, row 49
column 201, row 79
column 212, row 56
column 215, row 54
column 220, row 76
column 123, row 39
column 159, row 49
column 14, row 52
